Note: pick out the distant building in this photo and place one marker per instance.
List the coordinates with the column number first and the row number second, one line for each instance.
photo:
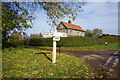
column 70, row 29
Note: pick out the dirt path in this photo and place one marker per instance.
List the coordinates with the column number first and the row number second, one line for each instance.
column 102, row 62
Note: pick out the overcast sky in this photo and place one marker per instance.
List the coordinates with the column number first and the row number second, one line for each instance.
column 102, row 15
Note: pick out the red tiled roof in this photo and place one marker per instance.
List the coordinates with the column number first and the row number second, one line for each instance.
column 72, row 26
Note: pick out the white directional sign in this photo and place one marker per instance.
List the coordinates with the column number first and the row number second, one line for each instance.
column 56, row 37
column 46, row 33
column 59, row 34
column 55, row 33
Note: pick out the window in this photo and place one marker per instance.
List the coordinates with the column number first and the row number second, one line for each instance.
column 70, row 31
column 81, row 32
column 78, row 32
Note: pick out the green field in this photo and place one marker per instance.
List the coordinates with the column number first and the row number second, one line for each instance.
column 34, row 63
column 113, row 46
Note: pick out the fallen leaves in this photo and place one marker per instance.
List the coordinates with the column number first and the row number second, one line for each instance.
column 35, row 72
column 25, row 63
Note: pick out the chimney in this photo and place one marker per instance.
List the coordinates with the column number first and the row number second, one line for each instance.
column 70, row 22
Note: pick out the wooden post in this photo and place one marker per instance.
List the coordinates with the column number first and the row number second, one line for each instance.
column 54, row 52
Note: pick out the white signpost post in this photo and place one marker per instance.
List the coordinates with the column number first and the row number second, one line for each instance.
column 56, row 37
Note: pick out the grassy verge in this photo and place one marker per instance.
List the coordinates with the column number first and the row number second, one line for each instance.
column 113, row 46
column 34, row 63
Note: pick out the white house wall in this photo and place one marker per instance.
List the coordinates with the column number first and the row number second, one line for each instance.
column 75, row 32
column 61, row 28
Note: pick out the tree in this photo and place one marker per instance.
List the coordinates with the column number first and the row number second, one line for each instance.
column 58, row 10
column 88, row 33
column 103, row 35
column 35, row 35
column 24, row 34
column 19, row 15
column 14, row 17
column 97, row 32
column 16, row 35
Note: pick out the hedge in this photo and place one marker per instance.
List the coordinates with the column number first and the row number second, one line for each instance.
column 74, row 41
column 70, row 41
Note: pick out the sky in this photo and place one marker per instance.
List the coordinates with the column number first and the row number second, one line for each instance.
column 102, row 15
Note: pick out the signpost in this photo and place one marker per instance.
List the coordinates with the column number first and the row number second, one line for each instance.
column 56, row 37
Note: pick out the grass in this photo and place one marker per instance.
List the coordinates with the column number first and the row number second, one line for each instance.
column 112, row 46
column 0, row 64
column 34, row 63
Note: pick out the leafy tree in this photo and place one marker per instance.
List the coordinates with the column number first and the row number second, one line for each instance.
column 24, row 35
column 16, row 35
column 19, row 15
column 36, row 35
column 14, row 17
column 105, row 35
column 88, row 33
column 97, row 32
column 58, row 10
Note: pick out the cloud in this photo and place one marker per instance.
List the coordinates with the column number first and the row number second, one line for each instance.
column 102, row 15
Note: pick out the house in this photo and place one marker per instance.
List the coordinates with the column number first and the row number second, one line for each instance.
column 70, row 29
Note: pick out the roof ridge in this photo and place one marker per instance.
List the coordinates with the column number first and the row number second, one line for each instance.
column 72, row 26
